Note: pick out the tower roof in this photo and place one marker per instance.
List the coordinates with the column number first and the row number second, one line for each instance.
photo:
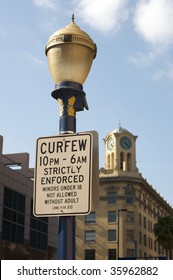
column 120, row 130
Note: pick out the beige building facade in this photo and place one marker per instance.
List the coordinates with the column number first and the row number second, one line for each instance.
column 121, row 224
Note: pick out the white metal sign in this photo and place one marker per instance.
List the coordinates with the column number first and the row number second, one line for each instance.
column 63, row 175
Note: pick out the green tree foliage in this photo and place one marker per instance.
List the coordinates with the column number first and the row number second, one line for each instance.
column 163, row 231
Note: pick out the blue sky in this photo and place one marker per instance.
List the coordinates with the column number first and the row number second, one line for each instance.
column 131, row 80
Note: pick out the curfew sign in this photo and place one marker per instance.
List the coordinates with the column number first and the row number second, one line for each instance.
column 63, row 175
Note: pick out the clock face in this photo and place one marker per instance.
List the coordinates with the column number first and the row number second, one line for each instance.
column 125, row 143
column 110, row 144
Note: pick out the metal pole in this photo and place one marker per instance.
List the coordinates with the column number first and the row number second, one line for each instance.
column 71, row 98
column 66, row 226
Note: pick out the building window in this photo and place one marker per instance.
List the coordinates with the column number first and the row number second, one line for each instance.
column 149, row 209
column 111, row 216
column 122, row 161
column 145, row 240
column 90, row 218
column 111, row 197
column 112, row 235
column 112, row 160
column 130, row 217
column 145, row 223
column 38, row 232
column 130, row 235
column 145, row 204
column 150, row 229
column 89, row 254
column 149, row 226
column 128, row 162
column 111, row 254
column 155, row 215
column 140, row 237
column 149, row 242
column 129, row 197
column 89, row 236
column 13, row 216
column 140, row 219
column 108, row 160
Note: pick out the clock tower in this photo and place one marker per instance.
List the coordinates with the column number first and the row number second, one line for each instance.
column 120, row 146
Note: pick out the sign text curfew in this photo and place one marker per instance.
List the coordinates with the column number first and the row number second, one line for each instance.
column 63, row 175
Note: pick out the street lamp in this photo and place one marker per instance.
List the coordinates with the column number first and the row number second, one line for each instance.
column 119, row 210
column 70, row 52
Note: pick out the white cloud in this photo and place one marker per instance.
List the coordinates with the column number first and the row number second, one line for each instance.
column 38, row 60
column 47, row 4
column 153, row 20
column 142, row 59
column 148, row 57
column 34, row 59
column 165, row 72
column 102, row 15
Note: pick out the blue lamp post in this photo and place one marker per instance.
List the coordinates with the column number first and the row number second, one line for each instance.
column 70, row 52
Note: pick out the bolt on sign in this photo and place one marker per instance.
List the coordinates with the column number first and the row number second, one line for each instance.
column 63, row 174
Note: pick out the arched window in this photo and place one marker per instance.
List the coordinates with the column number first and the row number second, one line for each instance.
column 108, row 161
column 112, row 160
column 129, row 162
column 122, row 161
